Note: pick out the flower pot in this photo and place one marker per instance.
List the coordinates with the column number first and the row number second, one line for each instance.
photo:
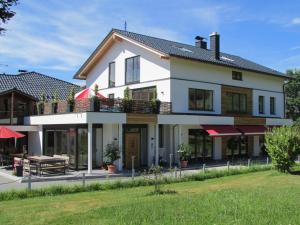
column 111, row 168
column 184, row 163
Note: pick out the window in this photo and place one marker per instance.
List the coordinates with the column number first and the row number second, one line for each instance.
column 237, row 75
column 200, row 99
column 261, row 107
column 111, row 96
column 237, row 103
column 272, row 105
column 111, row 74
column 132, row 70
column 161, row 135
column 201, row 144
column 143, row 94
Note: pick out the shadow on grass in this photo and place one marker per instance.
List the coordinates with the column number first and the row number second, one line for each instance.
column 162, row 192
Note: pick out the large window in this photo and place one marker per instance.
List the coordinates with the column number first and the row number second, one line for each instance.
column 111, row 74
column 237, row 146
column 200, row 99
column 132, row 70
column 237, row 103
column 261, row 104
column 272, row 106
column 201, row 143
column 143, row 94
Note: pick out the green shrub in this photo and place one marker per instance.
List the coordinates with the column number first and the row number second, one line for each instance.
column 283, row 145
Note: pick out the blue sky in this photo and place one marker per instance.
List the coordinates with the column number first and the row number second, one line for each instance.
column 55, row 37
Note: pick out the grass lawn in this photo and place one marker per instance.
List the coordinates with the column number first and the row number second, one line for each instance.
column 257, row 198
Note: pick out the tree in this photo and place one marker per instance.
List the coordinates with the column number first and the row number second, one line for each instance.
column 5, row 12
column 283, row 145
column 292, row 90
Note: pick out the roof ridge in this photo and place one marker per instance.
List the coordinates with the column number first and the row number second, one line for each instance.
column 114, row 29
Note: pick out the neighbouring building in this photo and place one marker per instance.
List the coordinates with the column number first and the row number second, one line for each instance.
column 19, row 95
column 208, row 98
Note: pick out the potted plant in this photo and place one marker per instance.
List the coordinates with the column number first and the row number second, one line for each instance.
column 41, row 104
column 185, row 152
column 155, row 103
column 55, row 102
column 71, row 100
column 112, row 154
column 96, row 100
column 127, row 101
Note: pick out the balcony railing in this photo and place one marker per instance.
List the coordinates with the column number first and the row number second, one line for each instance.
column 104, row 105
column 15, row 118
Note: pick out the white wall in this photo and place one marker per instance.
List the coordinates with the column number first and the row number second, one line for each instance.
column 152, row 67
column 180, row 96
column 35, row 142
column 192, row 70
column 279, row 103
column 256, row 147
column 217, row 152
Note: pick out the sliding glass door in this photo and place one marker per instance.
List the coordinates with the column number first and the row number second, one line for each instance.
column 201, row 143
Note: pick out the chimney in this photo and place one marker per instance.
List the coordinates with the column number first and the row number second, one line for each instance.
column 200, row 42
column 215, row 44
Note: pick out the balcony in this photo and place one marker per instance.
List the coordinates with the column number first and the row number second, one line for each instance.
column 104, row 105
column 15, row 118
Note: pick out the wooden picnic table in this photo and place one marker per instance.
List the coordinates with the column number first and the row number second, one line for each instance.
column 45, row 163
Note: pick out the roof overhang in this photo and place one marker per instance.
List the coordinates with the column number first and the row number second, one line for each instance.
column 15, row 90
column 112, row 38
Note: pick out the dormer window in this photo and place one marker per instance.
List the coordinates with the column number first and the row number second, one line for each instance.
column 237, row 75
column 132, row 70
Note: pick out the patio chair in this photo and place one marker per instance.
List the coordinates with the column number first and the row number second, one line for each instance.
column 28, row 167
column 66, row 158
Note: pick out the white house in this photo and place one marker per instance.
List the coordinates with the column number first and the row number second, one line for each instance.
column 208, row 98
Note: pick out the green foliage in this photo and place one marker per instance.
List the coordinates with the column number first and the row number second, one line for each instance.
column 5, row 12
column 292, row 90
column 283, row 145
column 112, row 153
column 96, row 90
column 184, row 151
column 155, row 174
column 155, row 103
column 127, row 101
column 55, row 97
column 71, row 96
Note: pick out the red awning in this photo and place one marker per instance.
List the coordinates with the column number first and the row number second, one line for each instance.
column 8, row 133
column 251, row 129
column 221, row 130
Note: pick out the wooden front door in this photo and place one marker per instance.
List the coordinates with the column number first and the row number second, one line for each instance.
column 132, row 148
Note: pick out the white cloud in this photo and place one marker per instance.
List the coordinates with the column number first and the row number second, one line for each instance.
column 295, row 21
column 60, row 37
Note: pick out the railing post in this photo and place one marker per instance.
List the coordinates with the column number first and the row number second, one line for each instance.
column 249, row 161
column 228, row 164
column 176, row 172
column 83, row 179
column 29, row 182
column 267, row 160
column 203, row 168
column 171, row 155
column 132, row 167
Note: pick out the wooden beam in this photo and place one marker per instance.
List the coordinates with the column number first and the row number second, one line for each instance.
column 165, row 57
column 117, row 38
column 12, row 108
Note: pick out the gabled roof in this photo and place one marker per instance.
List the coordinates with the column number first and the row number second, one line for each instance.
column 34, row 84
column 176, row 49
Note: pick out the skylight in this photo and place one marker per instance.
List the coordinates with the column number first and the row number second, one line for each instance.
column 182, row 48
column 227, row 59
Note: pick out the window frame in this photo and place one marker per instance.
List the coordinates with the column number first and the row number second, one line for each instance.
column 204, row 91
column 272, row 105
column 237, row 75
column 231, row 95
column 133, row 69
column 261, row 105
column 109, row 74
